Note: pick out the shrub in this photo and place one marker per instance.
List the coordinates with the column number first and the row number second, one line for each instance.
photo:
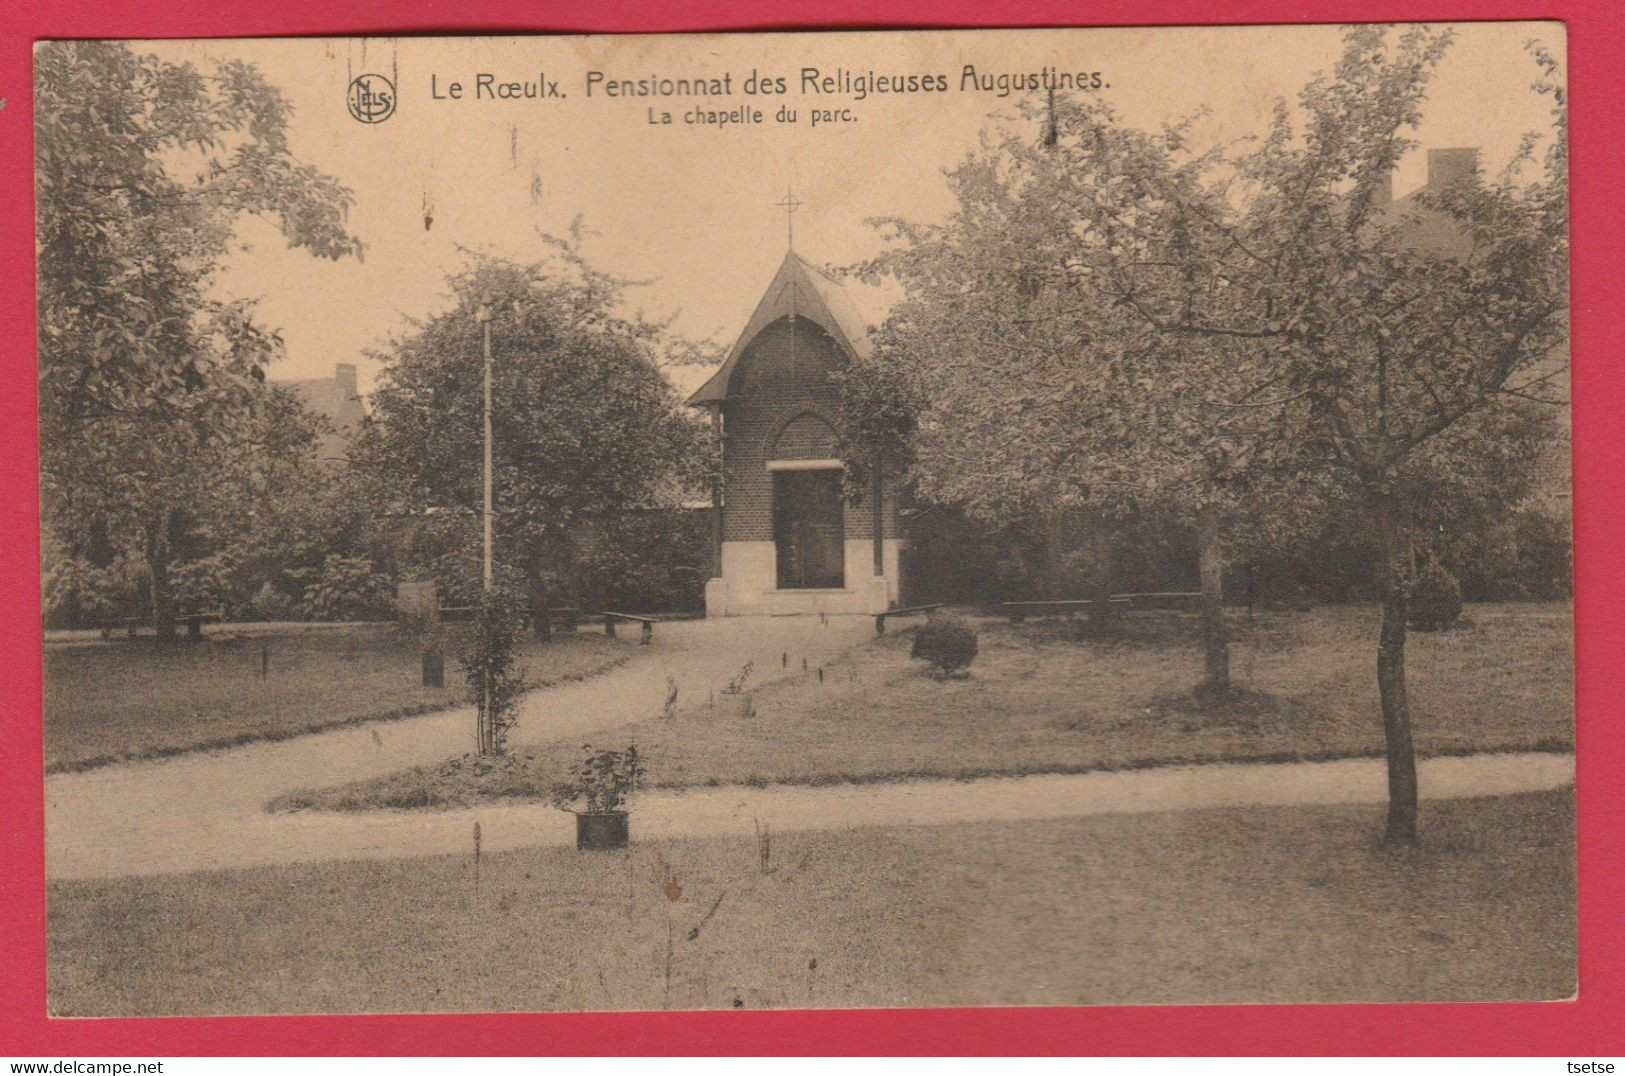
column 489, row 655
column 600, row 782
column 204, row 584
column 1435, row 599
column 947, row 642
column 349, row 589
column 76, row 593
column 269, row 603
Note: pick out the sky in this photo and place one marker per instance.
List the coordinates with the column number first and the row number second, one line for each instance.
column 692, row 209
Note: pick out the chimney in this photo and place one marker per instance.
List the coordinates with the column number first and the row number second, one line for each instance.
column 1450, row 166
column 344, row 374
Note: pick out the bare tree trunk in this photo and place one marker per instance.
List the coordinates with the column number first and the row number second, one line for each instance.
column 1394, row 577
column 1210, row 557
column 162, row 593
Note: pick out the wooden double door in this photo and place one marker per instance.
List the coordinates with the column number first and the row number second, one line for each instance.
column 809, row 529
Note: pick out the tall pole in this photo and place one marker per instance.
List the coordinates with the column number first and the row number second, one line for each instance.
column 485, row 321
column 483, row 733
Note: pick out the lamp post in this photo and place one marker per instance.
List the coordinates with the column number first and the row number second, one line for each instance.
column 483, row 316
column 484, row 733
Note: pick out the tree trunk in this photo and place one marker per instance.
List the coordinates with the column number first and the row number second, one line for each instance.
column 1215, row 641
column 163, row 595
column 1394, row 578
column 1102, row 613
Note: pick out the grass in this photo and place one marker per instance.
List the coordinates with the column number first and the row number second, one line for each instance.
column 140, row 698
column 1289, row 905
column 1038, row 700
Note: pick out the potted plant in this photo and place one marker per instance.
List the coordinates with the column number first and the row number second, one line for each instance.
column 736, row 701
column 596, row 794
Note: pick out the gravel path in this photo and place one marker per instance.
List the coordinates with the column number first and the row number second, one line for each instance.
column 205, row 809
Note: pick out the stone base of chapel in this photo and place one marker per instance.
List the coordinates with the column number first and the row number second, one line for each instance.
column 749, row 583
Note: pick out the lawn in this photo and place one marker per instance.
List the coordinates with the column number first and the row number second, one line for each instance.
column 141, row 698
column 1038, row 699
column 1219, row 906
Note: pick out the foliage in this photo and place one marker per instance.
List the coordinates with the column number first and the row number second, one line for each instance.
column 1115, row 314
column 489, row 655
column 946, row 641
column 585, row 425
column 77, row 592
column 601, row 782
column 349, row 588
column 269, row 603
column 1435, row 599
column 644, row 561
column 158, row 435
column 204, row 585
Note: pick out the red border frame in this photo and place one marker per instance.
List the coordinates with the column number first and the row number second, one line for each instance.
column 1594, row 1024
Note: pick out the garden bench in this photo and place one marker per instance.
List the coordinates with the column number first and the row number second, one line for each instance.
column 1019, row 611
column 647, row 623
column 194, row 623
column 566, row 614
column 913, row 610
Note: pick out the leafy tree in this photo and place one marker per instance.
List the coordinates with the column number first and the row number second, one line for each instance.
column 1111, row 313
column 1026, row 391
column 1404, row 353
column 151, row 389
column 585, row 424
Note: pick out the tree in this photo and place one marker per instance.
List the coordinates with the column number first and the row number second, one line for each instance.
column 585, row 424
column 1111, row 310
column 1031, row 392
column 146, row 380
column 1398, row 363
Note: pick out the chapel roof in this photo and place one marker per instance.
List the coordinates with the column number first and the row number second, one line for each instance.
column 801, row 289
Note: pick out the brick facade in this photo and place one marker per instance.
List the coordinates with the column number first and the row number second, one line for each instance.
column 778, row 402
column 782, row 407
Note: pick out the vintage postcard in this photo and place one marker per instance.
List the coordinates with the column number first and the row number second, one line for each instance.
column 800, row 521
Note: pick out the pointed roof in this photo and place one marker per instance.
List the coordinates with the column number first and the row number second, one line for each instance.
column 801, row 289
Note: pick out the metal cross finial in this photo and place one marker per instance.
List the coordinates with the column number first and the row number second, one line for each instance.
column 790, row 204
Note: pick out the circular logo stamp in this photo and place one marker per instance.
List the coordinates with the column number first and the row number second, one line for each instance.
column 371, row 98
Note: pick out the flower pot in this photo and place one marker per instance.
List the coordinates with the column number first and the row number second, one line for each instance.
column 735, row 703
column 601, row 830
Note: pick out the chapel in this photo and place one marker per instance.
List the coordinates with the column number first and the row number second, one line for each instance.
column 789, row 535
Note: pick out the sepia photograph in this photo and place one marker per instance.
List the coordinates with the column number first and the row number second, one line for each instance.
column 797, row 521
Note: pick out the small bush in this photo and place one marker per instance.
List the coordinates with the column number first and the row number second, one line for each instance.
column 269, row 603
column 489, row 653
column 348, row 588
column 1435, row 600
column 947, row 642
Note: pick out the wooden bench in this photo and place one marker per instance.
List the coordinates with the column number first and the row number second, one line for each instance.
column 647, row 623
column 913, row 610
column 1143, row 602
column 194, row 623
column 567, row 615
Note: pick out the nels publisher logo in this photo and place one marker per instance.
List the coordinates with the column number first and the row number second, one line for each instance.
column 371, row 98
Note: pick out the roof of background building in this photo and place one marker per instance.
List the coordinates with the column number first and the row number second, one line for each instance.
column 336, row 400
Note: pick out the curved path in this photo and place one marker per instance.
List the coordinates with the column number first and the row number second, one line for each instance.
column 205, row 811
